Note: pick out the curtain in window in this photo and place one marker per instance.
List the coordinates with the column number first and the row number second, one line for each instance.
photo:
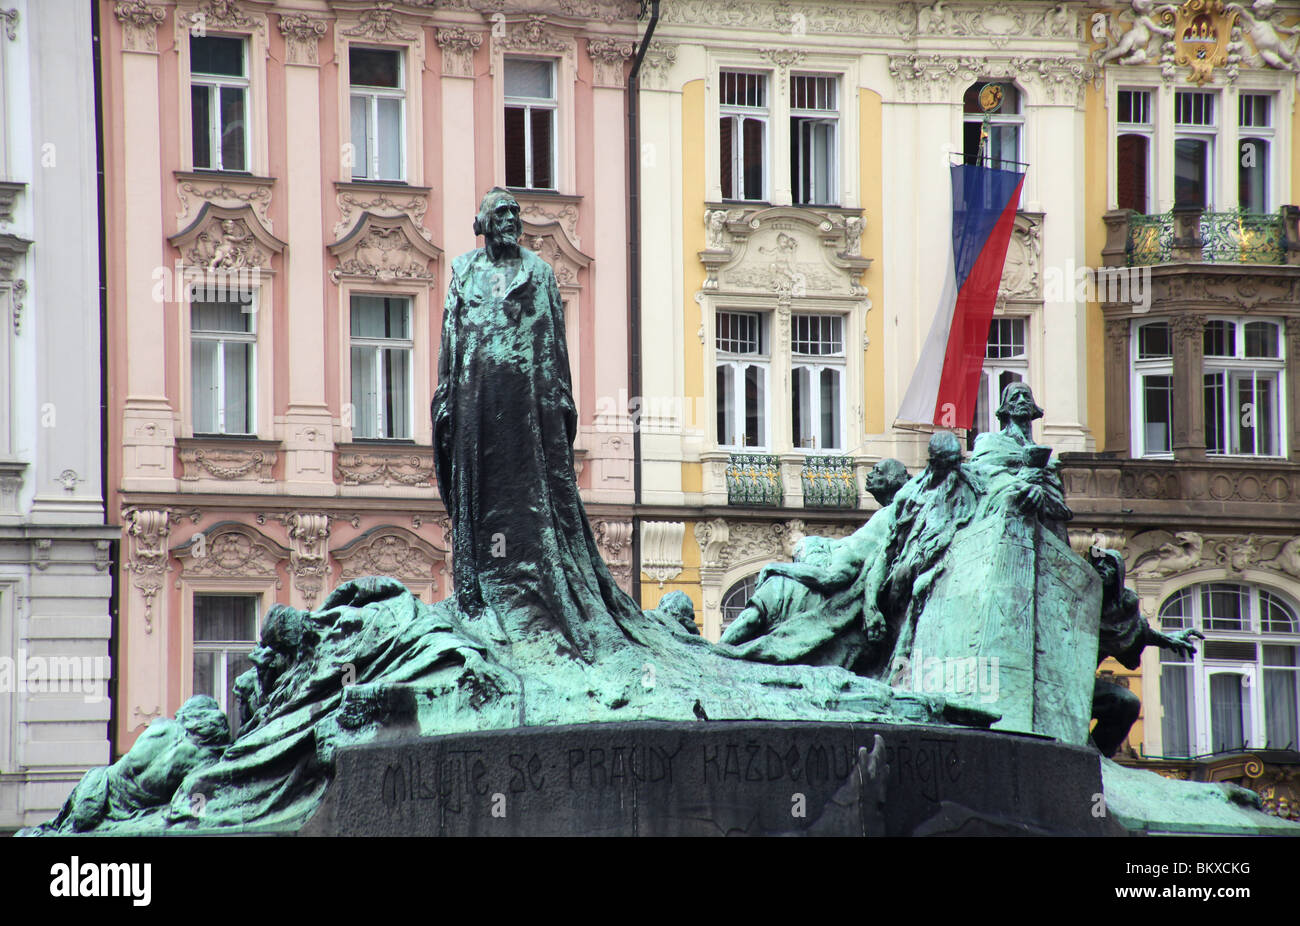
column 360, row 136
column 238, row 378
column 1175, row 726
column 830, row 402
column 389, row 139
column 1281, row 722
column 1227, row 711
column 203, row 360
column 397, row 409
column 365, row 396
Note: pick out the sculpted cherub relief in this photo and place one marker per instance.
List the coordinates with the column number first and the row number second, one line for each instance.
column 1132, row 47
column 1266, row 31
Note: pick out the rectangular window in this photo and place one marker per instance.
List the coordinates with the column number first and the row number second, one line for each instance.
column 530, row 104
column 378, row 101
column 1242, row 375
column 743, row 115
column 225, row 632
column 1154, row 381
column 817, row 381
column 223, row 347
column 219, row 103
column 742, row 374
column 1282, row 696
column 1176, row 702
column 381, row 367
column 1133, row 150
column 1254, row 154
column 814, row 139
column 1195, row 128
column 1006, row 361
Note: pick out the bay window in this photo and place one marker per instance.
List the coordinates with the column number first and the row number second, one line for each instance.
column 1243, row 367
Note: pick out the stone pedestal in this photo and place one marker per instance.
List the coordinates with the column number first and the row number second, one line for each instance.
column 714, row 779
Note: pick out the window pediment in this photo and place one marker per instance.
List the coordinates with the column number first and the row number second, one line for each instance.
column 784, row 250
column 389, row 551
column 384, row 249
column 553, row 245
column 229, row 549
column 226, row 238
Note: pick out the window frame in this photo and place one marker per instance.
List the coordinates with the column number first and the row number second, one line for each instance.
column 349, row 30
column 739, row 113
column 1268, row 134
column 738, row 361
column 251, row 337
column 831, row 117
column 373, row 95
column 1014, row 120
column 529, row 104
column 1138, row 370
column 1201, row 668
column 992, row 369
column 215, row 83
column 1211, row 134
column 381, row 344
column 1145, row 130
column 1239, row 363
column 222, row 683
column 815, row 364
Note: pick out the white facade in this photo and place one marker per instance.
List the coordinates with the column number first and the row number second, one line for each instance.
column 55, row 582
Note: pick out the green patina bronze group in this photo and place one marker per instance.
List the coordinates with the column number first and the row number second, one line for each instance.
column 967, row 560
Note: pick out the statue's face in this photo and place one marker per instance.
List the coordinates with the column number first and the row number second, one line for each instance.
column 1020, row 402
column 502, row 224
column 882, row 478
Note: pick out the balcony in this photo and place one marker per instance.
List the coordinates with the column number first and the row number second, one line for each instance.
column 754, row 480
column 1107, row 490
column 1192, row 235
column 830, row 482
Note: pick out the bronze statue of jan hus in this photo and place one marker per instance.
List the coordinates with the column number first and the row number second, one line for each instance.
column 1123, row 634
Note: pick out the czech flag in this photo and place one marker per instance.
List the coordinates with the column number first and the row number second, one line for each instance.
column 946, row 382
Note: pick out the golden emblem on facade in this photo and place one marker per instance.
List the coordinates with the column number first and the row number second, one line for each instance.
column 1202, row 32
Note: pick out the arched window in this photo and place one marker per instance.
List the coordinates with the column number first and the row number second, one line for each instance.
column 734, row 601
column 1242, row 688
column 1003, row 147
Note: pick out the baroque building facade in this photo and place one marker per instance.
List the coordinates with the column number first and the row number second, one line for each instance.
column 276, row 269
column 55, row 550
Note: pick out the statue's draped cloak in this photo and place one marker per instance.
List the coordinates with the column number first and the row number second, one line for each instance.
column 504, row 422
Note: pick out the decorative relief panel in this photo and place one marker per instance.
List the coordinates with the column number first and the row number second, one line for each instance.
column 661, row 549
column 146, row 531
column 302, row 34
column 231, row 550
column 555, row 247
column 614, row 538
column 458, row 46
column 536, row 34
column 1156, row 554
column 140, row 21
column 784, row 251
column 9, row 191
column 543, row 210
column 940, row 78
column 390, row 551
column 1022, row 273
column 356, row 198
column 194, row 190
column 307, row 559
column 411, row 467
column 384, row 249
column 381, row 23
column 656, row 65
column 224, row 239
column 608, row 57
column 227, row 461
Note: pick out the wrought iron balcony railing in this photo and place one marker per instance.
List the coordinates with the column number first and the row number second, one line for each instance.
column 1190, row 234
column 754, row 479
column 830, row 482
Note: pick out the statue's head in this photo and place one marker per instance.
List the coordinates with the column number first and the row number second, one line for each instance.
column 1018, row 403
column 677, row 604
column 885, row 479
column 945, row 450
column 202, row 719
column 1109, row 564
column 498, row 216
column 283, row 635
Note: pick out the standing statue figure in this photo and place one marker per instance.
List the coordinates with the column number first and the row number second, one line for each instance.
column 1021, row 476
column 1123, row 634
column 525, row 562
